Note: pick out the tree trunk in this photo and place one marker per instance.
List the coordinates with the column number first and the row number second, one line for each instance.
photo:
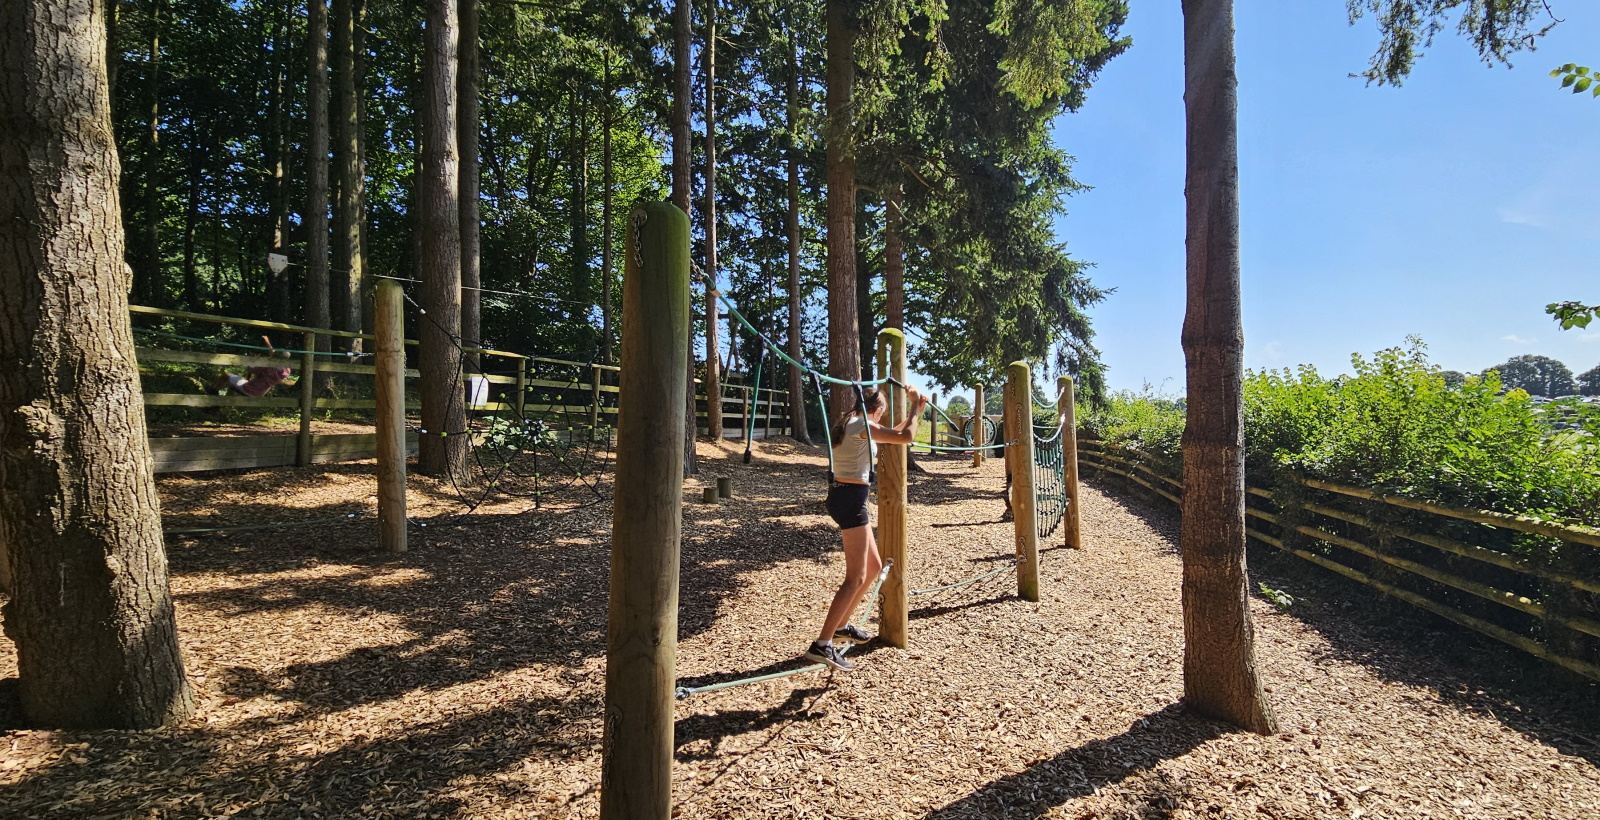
column 713, row 378
column 348, row 258
column 797, row 387
column 578, row 217
column 606, row 239
column 894, row 261
column 471, row 225
column 91, row 614
column 682, row 31
column 191, row 222
column 316, row 215
column 844, row 341
column 278, row 189
column 1219, row 668
column 155, row 286
column 866, row 333
column 443, row 450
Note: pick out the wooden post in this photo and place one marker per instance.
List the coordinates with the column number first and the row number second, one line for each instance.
column 642, row 624
column 594, row 401
column 521, row 399
column 744, row 417
column 1069, row 460
column 389, row 328
column 977, row 424
column 1019, row 427
column 894, row 604
column 308, row 398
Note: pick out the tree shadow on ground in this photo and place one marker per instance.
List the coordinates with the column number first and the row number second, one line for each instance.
column 700, row 737
column 411, row 773
column 1074, row 773
column 1406, row 645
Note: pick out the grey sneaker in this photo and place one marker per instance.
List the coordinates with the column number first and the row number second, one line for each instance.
column 850, row 633
column 830, row 655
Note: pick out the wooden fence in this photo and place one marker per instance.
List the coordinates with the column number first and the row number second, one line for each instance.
column 514, row 380
column 1530, row 584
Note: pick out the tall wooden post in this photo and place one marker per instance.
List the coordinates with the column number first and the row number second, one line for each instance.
column 642, row 625
column 977, row 424
column 894, row 603
column 1067, row 402
column 389, row 328
column 594, row 401
column 521, row 399
column 308, row 398
column 1019, row 427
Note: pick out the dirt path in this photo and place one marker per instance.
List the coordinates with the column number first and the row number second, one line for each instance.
column 464, row 679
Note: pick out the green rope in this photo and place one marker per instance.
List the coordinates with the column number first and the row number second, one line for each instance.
column 973, row 580
column 734, row 312
column 755, row 404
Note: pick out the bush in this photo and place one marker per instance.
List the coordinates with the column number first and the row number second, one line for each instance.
column 1397, row 424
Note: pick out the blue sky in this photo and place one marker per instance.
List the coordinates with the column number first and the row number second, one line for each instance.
column 1454, row 207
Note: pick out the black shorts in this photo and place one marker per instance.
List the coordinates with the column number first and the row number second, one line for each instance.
column 847, row 503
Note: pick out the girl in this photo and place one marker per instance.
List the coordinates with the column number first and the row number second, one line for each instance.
column 853, row 454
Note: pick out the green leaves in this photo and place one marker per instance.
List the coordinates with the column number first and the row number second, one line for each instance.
column 1579, row 79
column 1572, row 314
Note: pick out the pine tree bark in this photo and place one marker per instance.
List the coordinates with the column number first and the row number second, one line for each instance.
column 442, row 450
column 713, row 378
column 797, row 392
column 91, row 615
column 471, row 226
column 348, row 259
column 316, row 215
column 1220, row 676
column 682, row 32
column 894, row 260
column 844, row 340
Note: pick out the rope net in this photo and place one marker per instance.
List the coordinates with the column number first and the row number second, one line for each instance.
column 1049, row 481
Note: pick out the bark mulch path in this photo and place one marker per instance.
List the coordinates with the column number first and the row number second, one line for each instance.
column 464, row 679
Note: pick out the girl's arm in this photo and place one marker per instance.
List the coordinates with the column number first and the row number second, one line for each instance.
column 906, row 431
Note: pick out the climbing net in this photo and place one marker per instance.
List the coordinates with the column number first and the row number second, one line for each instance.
column 532, row 440
column 1049, row 479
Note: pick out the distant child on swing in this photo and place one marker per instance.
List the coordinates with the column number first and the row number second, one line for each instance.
column 257, row 381
column 853, row 455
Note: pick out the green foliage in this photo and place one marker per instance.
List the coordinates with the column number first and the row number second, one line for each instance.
column 1397, row 424
column 1577, row 78
column 1589, row 381
column 1572, row 314
column 1280, row 599
column 1538, row 375
column 1496, row 28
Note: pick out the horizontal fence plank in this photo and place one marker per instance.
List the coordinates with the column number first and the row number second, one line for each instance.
column 1101, row 460
column 195, row 453
column 1479, row 625
column 154, row 354
column 265, row 325
column 1566, row 532
column 265, row 402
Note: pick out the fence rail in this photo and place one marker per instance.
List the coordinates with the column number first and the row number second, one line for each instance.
column 514, row 383
column 1537, row 606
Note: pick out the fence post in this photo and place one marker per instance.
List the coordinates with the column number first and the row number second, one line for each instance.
column 894, row 605
column 308, row 398
column 594, row 401
column 977, row 425
column 642, row 622
column 1067, row 402
column 1019, row 426
column 389, row 330
column 521, row 400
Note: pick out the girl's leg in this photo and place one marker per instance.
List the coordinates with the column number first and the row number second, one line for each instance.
column 861, row 565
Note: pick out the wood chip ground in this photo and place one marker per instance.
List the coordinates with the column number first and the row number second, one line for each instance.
column 464, row 679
